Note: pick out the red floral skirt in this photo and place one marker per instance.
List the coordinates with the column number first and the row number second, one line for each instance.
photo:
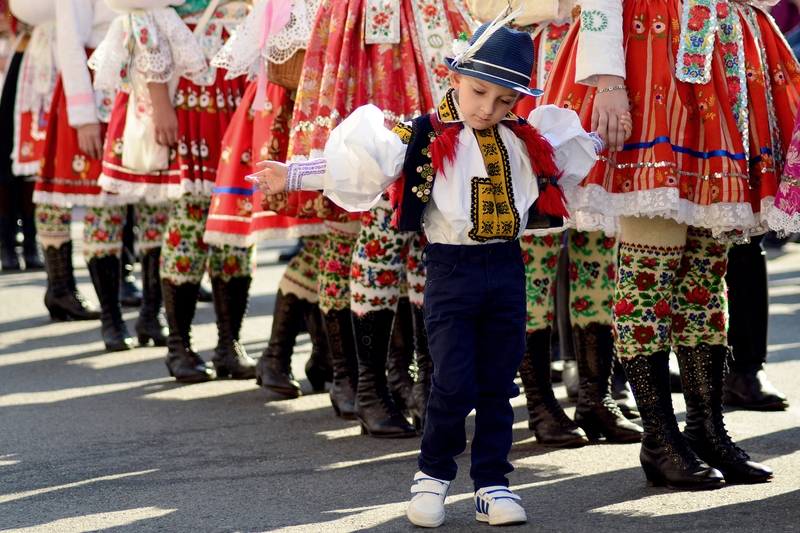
column 686, row 159
column 30, row 141
column 341, row 73
column 203, row 116
column 67, row 176
column 236, row 217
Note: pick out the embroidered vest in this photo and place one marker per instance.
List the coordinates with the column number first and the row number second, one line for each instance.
column 411, row 193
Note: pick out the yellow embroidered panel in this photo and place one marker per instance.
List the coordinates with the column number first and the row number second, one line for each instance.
column 403, row 131
column 493, row 213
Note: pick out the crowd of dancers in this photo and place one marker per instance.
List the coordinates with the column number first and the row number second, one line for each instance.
column 161, row 108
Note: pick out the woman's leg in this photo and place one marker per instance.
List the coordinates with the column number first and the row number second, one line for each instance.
column 152, row 221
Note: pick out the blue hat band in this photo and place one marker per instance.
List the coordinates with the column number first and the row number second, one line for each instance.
column 495, row 71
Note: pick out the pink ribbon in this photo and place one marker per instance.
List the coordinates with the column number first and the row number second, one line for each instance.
column 276, row 16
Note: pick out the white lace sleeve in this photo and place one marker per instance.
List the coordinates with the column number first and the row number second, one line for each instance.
column 241, row 53
column 295, row 35
column 110, row 59
column 175, row 53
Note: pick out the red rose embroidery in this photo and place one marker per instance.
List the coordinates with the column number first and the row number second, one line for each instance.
column 661, row 309
column 623, row 308
column 573, row 272
column 698, row 295
column 579, row 240
column 373, row 248
column 387, row 277
column 717, row 321
column 580, row 305
column 679, row 322
column 183, row 265
column 355, row 272
column 174, row 239
column 552, row 261
column 611, row 271
column 643, row 334
column 645, row 280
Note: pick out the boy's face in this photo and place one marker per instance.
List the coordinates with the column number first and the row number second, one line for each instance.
column 482, row 103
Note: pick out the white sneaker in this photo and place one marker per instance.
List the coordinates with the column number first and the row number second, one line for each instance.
column 427, row 506
column 496, row 505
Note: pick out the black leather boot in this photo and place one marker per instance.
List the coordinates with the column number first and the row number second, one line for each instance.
column 702, row 374
column 339, row 328
column 31, row 249
column 621, row 392
column 375, row 409
column 62, row 298
column 597, row 413
column 180, row 302
column 319, row 367
column 129, row 293
column 746, row 384
column 230, row 304
column 8, row 242
column 151, row 323
column 421, row 390
column 550, row 424
column 666, row 456
column 274, row 368
column 401, row 357
column 105, row 277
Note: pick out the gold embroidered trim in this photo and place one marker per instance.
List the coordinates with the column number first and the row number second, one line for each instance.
column 403, row 131
column 493, row 213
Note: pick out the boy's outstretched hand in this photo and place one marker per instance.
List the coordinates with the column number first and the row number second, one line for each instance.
column 271, row 179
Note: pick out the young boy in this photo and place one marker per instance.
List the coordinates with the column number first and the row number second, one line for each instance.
column 489, row 168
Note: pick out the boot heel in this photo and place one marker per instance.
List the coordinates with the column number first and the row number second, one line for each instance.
column 58, row 314
column 654, row 477
column 336, row 410
column 144, row 340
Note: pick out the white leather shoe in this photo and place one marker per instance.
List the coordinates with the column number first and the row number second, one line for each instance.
column 497, row 505
column 427, row 506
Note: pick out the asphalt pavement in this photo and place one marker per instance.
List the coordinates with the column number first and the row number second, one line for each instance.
column 96, row 441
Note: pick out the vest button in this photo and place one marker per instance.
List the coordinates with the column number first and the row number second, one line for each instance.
column 491, row 253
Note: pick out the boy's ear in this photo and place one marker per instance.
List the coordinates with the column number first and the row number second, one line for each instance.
column 455, row 80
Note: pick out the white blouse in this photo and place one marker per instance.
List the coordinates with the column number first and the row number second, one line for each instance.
column 33, row 12
column 600, row 46
column 81, row 24
column 362, row 159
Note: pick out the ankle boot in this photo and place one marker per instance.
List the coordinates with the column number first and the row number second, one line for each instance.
column 746, row 384
column 129, row 293
column 702, row 374
column 105, row 277
column 274, row 368
column 375, row 409
column 62, row 298
column 230, row 304
column 421, row 390
column 550, row 424
column 8, row 243
column 666, row 456
column 339, row 328
column 621, row 392
column 31, row 249
column 597, row 413
column 151, row 323
column 319, row 367
column 401, row 356
column 183, row 363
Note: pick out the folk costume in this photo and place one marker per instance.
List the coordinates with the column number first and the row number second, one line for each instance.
column 156, row 44
column 474, row 294
column 701, row 164
column 259, row 130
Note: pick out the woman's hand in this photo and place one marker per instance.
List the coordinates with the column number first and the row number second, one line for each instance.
column 90, row 140
column 271, row 179
column 165, row 119
column 609, row 108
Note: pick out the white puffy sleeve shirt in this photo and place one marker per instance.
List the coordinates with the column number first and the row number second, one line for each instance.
column 33, row 12
column 80, row 24
column 600, row 47
column 362, row 159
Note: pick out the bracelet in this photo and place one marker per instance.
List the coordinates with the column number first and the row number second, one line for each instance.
column 611, row 88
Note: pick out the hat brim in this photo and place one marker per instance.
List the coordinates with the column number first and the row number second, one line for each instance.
column 528, row 91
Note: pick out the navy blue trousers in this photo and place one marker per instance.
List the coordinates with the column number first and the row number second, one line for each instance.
column 475, row 316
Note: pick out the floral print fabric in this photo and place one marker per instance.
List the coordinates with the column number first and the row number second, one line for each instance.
column 185, row 254
column 302, row 272
column 102, row 229
column 334, row 265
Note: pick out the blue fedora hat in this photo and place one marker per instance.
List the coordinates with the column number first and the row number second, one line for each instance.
column 505, row 57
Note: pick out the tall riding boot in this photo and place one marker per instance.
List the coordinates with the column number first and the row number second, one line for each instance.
column 339, row 328
column 666, row 457
column 621, row 392
column 151, row 323
column 129, row 293
column 105, row 277
column 62, row 298
column 421, row 390
column 375, row 409
column 180, row 302
column 702, row 374
column 274, row 368
column 401, row 356
column 561, row 309
column 597, row 413
column 8, row 242
column 548, row 421
column 748, row 304
column 31, row 249
column 319, row 367
column 230, row 304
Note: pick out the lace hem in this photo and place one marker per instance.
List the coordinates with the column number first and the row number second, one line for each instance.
column 66, row 200
column 157, row 193
column 268, row 234
column 295, row 35
column 721, row 219
column 241, row 53
column 582, row 221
